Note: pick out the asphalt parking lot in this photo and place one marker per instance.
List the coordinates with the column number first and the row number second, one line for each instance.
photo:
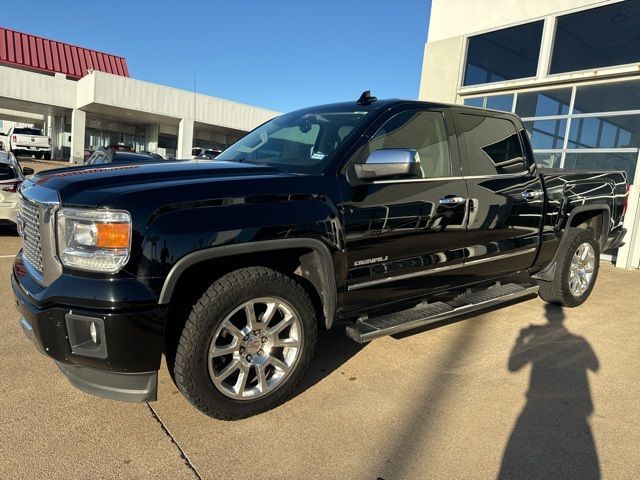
column 526, row 391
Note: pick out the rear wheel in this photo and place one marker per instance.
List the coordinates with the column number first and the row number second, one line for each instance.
column 246, row 344
column 576, row 270
column 46, row 155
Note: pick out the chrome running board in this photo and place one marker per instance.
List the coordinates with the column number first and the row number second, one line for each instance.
column 366, row 329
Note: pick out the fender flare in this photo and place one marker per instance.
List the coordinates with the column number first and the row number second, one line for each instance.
column 327, row 281
column 548, row 272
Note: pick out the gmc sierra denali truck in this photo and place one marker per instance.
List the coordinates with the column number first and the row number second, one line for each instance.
column 373, row 216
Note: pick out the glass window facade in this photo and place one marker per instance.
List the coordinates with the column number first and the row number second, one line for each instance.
column 546, row 134
column 608, row 97
column 494, row 102
column 605, row 116
column 601, row 161
column 622, row 131
column 505, row 54
column 545, row 103
column 596, row 38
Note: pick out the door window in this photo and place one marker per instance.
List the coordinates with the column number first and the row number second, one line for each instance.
column 493, row 145
column 423, row 131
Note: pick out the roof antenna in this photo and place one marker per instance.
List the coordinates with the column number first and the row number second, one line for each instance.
column 366, row 98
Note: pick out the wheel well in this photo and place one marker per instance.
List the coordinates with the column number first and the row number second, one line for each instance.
column 302, row 264
column 592, row 220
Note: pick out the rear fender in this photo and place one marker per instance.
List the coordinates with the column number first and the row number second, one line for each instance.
column 548, row 272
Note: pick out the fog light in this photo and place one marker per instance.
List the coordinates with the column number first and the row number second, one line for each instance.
column 93, row 330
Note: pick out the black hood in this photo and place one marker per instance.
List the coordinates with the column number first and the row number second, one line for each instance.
column 75, row 185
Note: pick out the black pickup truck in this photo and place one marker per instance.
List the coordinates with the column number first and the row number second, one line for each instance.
column 373, row 216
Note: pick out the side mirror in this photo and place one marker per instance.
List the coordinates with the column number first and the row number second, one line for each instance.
column 390, row 163
column 27, row 170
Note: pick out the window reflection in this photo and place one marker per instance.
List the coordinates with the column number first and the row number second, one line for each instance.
column 603, row 161
column 608, row 97
column 605, row 132
column 545, row 103
column 546, row 134
column 598, row 37
column 504, row 54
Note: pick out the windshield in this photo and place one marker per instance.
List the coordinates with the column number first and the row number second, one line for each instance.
column 300, row 142
column 27, row 131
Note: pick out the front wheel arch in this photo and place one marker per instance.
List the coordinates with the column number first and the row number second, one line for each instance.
column 315, row 266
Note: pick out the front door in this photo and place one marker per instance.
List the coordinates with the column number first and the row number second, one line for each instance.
column 405, row 237
column 506, row 197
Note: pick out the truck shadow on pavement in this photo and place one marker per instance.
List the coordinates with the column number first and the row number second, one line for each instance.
column 552, row 437
column 333, row 350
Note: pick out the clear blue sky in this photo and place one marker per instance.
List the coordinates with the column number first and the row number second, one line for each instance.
column 280, row 54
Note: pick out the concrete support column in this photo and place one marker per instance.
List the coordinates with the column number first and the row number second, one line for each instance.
column 185, row 138
column 78, row 122
column 151, row 137
column 629, row 254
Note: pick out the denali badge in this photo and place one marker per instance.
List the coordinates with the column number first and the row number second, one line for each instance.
column 368, row 261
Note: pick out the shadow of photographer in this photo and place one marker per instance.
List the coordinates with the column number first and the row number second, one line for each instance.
column 552, row 437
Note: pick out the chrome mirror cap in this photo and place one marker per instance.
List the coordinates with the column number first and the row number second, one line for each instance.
column 390, row 163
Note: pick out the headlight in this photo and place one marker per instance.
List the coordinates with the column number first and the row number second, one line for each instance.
column 94, row 240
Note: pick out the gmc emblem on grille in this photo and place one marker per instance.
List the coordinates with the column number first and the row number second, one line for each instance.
column 20, row 226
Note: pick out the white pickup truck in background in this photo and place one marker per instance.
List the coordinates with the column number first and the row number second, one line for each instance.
column 28, row 141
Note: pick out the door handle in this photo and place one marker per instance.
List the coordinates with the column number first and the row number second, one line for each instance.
column 451, row 201
column 532, row 194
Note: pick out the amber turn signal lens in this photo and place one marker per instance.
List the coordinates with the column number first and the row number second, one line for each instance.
column 113, row 235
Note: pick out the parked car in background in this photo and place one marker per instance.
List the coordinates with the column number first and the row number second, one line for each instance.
column 11, row 176
column 157, row 156
column 29, row 141
column 3, row 141
column 120, row 155
column 206, row 153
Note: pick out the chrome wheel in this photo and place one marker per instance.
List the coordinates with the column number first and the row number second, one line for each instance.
column 255, row 348
column 581, row 269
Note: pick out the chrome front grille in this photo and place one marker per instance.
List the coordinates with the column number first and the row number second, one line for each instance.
column 29, row 221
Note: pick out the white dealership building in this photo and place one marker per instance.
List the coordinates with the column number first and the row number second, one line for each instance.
column 84, row 99
column 569, row 68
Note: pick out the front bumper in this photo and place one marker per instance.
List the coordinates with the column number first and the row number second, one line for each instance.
column 126, row 369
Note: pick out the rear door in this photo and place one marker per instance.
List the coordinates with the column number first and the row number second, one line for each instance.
column 405, row 237
column 505, row 196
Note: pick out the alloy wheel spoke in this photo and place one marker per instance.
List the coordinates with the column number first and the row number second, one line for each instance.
column 286, row 342
column 279, row 364
column 280, row 326
column 267, row 316
column 250, row 313
column 221, row 350
column 233, row 330
column 261, row 375
column 228, row 370
column 241, row 383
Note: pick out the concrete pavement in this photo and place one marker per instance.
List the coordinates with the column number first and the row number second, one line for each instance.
column 526, row 391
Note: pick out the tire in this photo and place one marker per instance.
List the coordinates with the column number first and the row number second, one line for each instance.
column 212, row 320
column 39, row 156
column 46, row 155
column 559, row 290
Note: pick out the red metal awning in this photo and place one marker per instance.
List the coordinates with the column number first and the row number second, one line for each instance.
column 22, row 50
